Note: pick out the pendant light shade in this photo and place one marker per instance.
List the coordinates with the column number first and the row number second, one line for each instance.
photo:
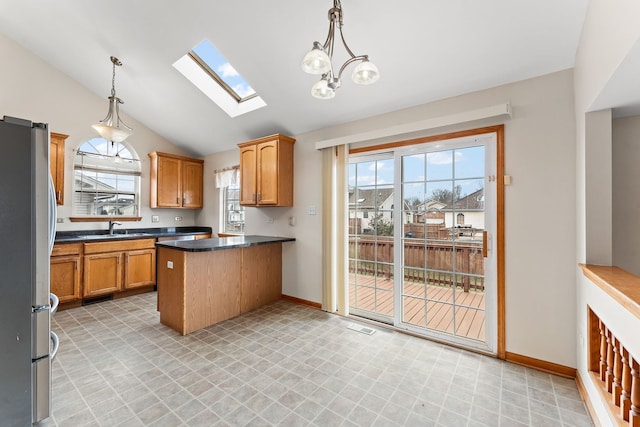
column 365, row 73
column 318, row 60
column 111, row 127
column 321, row 90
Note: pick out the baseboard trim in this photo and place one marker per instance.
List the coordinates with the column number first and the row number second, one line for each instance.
column 541, row 365
column 585, row 398
column 301, row 301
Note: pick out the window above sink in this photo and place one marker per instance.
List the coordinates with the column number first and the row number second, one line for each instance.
column 106, row 181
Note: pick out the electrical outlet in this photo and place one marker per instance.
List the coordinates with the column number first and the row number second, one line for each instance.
column 155, row 218
column 312, row 210
column 170, row 265
column 269, row 220
column 178, row 218
column 59, row 220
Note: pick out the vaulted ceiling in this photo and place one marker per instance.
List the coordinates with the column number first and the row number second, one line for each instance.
column 426, row 50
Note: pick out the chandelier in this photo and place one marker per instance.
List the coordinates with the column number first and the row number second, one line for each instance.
column 111, row 127
column 318, row 61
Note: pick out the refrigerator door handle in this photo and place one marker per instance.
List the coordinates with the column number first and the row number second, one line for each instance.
column 53, row 214
column 56, row 345
column 55, row 301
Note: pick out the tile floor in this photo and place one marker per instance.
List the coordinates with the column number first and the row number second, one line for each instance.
column 288, row 365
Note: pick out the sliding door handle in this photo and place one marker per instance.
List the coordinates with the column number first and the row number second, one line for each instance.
column 485, row 242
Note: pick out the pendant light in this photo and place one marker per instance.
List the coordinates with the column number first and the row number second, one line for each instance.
column 318, row 61
column 111, row 127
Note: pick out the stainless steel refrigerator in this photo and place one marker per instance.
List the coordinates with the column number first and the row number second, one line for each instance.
column 27, row 221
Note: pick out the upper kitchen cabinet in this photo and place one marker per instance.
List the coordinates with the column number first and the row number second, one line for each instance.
column 266, row 171
column 176, row 181
column 56, row 160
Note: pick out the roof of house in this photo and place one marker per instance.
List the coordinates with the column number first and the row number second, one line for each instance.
column 369, row 198
column 471, row 202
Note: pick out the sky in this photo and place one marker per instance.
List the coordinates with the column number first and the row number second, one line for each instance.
column 219, row 64
column 423, row 173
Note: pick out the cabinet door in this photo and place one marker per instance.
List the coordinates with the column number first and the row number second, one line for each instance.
column 191, row 184
column 140, row 268
column 248, row 175
column 267, row 161
column 102, row 273
column 56, row 163
column 65, row 277
column 169, row 178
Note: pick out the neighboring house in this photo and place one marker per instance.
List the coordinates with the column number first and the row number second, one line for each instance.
column 466, row 212
column 429, row 212
column 364, row 204
column 440, row 218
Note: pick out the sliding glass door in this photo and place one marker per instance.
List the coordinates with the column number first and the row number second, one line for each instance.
column 421, row 221
column 371, row 238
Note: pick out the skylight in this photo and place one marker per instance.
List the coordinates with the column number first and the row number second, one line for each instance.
column 212, row 61
column 210, row 72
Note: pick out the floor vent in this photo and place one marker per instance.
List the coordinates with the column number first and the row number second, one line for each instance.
column 360, row 328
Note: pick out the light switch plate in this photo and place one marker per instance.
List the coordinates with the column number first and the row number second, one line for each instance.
column 155, row 218
column 312, row 210
column 170, row 264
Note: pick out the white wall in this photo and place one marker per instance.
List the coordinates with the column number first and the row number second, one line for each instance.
column 609, row 33
column 34, row 90
column 540, row 156
column 597, row 197
column 626, row 194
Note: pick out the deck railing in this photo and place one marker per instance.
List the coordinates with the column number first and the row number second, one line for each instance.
column 436, row 260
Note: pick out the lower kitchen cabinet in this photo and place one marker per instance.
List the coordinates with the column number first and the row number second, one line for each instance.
column 102, row 274
column 140, row 268
column 119, row 265
column 65, row 271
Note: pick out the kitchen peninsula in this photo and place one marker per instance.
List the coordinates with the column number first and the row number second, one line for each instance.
column 203, row 282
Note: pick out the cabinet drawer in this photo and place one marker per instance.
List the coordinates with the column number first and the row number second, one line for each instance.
column 119, row 246
column 66, row 249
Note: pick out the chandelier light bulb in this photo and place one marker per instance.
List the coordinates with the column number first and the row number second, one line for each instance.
column 365, row 73
column 321, row 90
column 316, row 61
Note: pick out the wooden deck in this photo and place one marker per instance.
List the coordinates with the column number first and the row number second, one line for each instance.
column 441, row 308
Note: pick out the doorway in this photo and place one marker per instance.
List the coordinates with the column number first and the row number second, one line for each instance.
column 422, row 220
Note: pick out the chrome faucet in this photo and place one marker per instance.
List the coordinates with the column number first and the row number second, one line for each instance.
column 111, row 224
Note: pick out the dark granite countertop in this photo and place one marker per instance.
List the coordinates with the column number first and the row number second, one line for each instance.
column 205, row 245
column 77, row 236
